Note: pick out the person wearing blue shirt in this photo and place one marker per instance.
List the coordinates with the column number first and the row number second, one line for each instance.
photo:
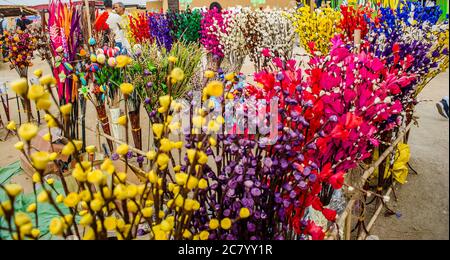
column 23, row 22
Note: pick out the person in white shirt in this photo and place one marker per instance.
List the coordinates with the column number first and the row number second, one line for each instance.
column 117, row 26
column 120, row 19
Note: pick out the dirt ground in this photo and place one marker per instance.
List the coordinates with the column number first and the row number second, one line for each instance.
column 423, row 201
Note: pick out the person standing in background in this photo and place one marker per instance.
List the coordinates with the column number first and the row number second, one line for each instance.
column 115, row 22
column 216, row 5
column 122, row 22
column 23, row 22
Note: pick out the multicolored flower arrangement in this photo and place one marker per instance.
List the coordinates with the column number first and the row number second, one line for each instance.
column 66, row 38
column 411, row 36
column 20, row 46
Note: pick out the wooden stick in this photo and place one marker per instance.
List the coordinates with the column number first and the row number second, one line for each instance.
column 97, row 135
column 88, row 16
column 348, row 224
column 108, row 137
column 363, row 235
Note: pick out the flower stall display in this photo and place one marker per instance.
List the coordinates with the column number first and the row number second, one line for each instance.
column 228, row 185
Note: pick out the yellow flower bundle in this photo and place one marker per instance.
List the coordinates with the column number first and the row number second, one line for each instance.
column 317, row 27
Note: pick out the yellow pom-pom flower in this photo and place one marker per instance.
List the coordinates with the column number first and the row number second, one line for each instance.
column 122, row 61
column 122, row 121
column 122, row 149
column 56, row 227
column 42, row 197
column 204, row 235
column 203, row 184
column 28, row 131
column 166, row 145
column 47, row 80
column 38, row 73
column 35, row 92
column 165, row 101
column 157, row 130
column 214, row 89
column 225, row 223
column 244, row 213
column 19, row 146
column 126, row 88
column 66, row 109
column 209, row 74
column 213, row 224
column 162, row 161
column 173, row 59
column 72, row 200
column 40, row 160
column 13, row 189
column 20, row 86
column 31, row 208
column 11, row 126
column 95, row 177
column 177, row 74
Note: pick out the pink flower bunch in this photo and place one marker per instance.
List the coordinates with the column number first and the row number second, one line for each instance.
column 213, row 25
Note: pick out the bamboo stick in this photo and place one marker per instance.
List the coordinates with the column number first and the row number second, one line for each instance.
column 363, row 235
column 348, row 224
column 88, row 16
column 108, row 137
